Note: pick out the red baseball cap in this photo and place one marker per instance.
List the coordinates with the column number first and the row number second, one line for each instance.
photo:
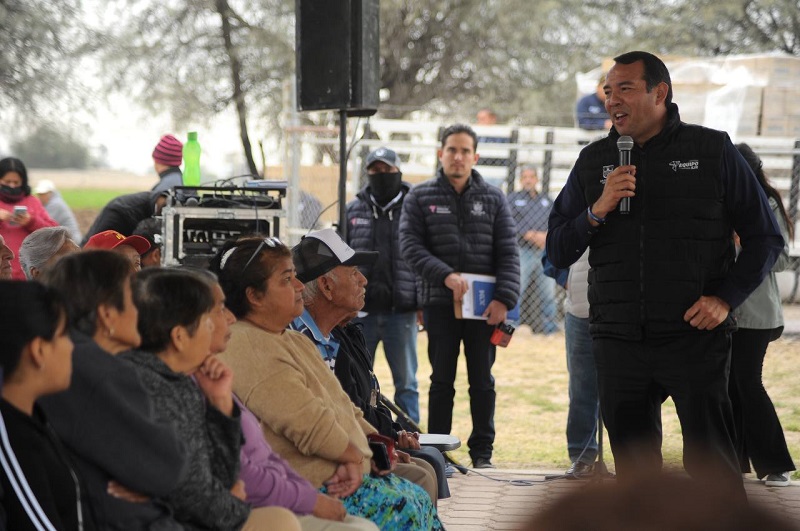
column 110, row 239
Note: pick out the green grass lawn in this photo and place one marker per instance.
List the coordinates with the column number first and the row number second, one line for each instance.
column 91, row 198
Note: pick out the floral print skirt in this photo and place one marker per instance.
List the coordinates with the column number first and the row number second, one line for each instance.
column 393, row 504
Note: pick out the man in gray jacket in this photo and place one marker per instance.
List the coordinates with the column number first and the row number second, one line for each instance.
column 57, row 208
column 457, row 223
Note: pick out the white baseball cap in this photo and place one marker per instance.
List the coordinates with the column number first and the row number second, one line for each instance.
column 320, row 251
column 43, row 187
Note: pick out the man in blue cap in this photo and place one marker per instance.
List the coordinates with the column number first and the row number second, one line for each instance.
column 373, row 221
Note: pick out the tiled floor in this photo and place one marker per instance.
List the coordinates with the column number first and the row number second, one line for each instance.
column 481, row 504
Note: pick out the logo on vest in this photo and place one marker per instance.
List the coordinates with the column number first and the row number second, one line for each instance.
column 359, row 221
column 688, row 165
column 606, row 172
column 439, row 209
column 477, row 209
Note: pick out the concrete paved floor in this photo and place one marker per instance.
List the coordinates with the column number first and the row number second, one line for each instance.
column 481, row 504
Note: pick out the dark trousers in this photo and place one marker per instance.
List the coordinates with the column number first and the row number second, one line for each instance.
column 693, row 369
column 434, row 457
column 759, row 435
column 445, row 335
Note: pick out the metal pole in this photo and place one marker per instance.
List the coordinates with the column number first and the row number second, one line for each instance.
column 794, row 187
column 361, row 172
column 547, row 166
column 291, row 163
column 512, row 162
column 342, row 229
column 600, row 470
column 794, row 194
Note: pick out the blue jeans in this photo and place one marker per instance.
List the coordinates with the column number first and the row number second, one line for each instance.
column 583, row 401
column 398, row 331
column 531, row 271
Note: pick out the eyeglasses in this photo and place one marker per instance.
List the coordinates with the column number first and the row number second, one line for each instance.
column 269, row 242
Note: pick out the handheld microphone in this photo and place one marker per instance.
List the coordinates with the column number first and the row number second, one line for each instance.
column 625, row 145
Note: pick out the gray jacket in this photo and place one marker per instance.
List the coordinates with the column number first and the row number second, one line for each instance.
column 61, row 213
column 212, row 441
column 762, row 309
column 167, row 180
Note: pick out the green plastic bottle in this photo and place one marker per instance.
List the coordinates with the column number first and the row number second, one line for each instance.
column 191, row 161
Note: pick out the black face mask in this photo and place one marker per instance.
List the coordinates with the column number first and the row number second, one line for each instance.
column 384, row 186
column 11, row 194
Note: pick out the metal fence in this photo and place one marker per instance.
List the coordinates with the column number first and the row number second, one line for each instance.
column 311, row 157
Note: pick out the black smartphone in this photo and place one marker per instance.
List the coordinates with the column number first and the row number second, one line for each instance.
column 380, row 455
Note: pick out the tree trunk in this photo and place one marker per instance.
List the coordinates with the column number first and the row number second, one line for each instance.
column 224, row 11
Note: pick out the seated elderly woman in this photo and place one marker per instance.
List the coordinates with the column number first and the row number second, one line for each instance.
column 44, row 247
column 192, row 388
column 304, row 413
column 39, row 483
column 268, row 479
column 106, row 417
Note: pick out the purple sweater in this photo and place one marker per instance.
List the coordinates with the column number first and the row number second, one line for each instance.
column 269, row 480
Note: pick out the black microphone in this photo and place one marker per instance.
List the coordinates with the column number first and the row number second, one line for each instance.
column 625, row 145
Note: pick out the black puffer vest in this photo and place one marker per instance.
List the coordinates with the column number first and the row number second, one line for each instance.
column 649, row 266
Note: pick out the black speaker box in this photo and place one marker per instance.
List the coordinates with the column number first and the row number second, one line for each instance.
column 338, row 62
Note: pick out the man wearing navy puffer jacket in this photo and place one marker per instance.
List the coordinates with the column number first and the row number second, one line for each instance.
column 457, row 223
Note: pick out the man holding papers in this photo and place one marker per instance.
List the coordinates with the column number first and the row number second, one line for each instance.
column 457, row 223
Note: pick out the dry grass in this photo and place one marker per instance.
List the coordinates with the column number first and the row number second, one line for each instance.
column 531, row 382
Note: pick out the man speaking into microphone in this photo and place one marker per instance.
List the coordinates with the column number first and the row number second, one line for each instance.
column 663, row 279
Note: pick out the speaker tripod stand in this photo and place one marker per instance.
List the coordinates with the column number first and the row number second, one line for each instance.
column 599, row 470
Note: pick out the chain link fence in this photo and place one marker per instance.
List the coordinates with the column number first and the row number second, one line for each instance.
column 311, row 166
